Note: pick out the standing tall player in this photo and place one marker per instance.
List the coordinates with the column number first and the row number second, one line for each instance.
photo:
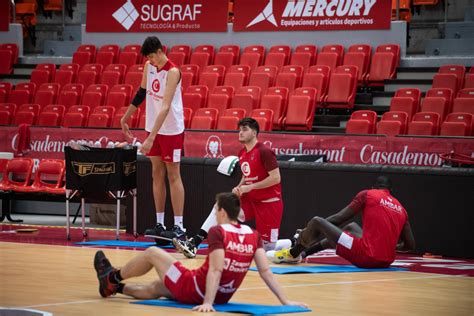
column 259, row 191
column 161, row 87
column 232, row 247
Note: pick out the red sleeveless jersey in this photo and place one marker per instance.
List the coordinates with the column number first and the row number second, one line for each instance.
column 239, row 243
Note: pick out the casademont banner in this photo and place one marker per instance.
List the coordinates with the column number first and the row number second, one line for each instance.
column 157, row 16
column 311, row 15
column 396, row 151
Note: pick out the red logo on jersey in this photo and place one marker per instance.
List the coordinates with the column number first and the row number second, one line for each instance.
column 155, row 86
column 245, row 169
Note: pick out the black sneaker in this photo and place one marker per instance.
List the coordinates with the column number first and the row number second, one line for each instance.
column 186, row 247
column 103, row 268
column 155, row 231
column 178, row 232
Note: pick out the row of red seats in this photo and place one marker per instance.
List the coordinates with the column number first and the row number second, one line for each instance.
column 17, row 174
column 373, row 69
column 422, row 123
column 210, row 118
column 454, row 77
column 337, row 90
column 438, row 100
column 293, row 110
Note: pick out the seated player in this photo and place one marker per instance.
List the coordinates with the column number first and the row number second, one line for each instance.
column 385, row 221
column 232, row 247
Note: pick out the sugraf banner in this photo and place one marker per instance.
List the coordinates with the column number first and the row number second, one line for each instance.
column 4, row 15
column 311, row 15
column 157, row 16
column 397, row 151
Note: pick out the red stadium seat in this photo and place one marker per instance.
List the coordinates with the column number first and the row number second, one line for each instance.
column 44, row 98
column 299, row 114
column 195, row 97
column 191, row 69
column 227, row 123
column 218, row 69
column 134, row 48
column 327, row 59
column 207, row 118
column 463, row 105
column 389, row 128
column 19, row 97
column 87, row 78
column 9, row 108
column 209, row 79
column 134, row 79
column 414, row 93
column 27, row 86
column 49, row 119
column 382, row 67
column 76, row 116
column 55, row 108
column 22, row 117
column 281, row 49
column 177, row 58
column 390, row 48
column 82, row 58
column 457, row 124
column 342, row 88
column 275, row 59
column 105, row 58
column 239, row 113
column 366, row 115
column 188, row 114
column 309, row 48
column 227, row 90
column 255, row 49
column 181, row 49
column 38, row 77
column 435, row 104
column 13, row 48
column 220, row 102
column 70, row 67
column 95, row 95
column 334, row 48
column 64, row 77
column 358, row 127
column 225, row 59
column 136, row 68
column 364, row 49
column 317, row 81
column 294, row 69
column 17, row 174
column 466, row 93
column 250, row 59
column 208, row 49
column 128, row 59
column 120, row 112
column 120, row 68
column 264, row 118
column 401, row 117
column 6, row 65
column 275, row 104
column 446, row 80
column 50, row 68
column 200, row 59
column 91, row 49
column 442, row 93
column 263, row 77
column 302, row 59
column 49, row 178
column 247, row 98
column 5, row 88
column 458, row 70
column 424, row 123
column 110, row 78
column 70, row 94
column 360, row 61
column 230, row 49
column 404, row 104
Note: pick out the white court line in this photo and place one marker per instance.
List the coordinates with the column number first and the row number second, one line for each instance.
column 59, row 304
column 353, row 282
column 264, row 287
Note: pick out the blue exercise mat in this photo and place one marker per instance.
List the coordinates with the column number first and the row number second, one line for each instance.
column 127, row 243
column 254, row 309
column 325, row 269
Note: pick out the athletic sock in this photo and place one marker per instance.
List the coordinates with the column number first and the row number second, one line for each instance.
column 120, row 288
column 115, row 277
column 178, row 220
column 160, row 218
column 199, row 237
column 296, row 250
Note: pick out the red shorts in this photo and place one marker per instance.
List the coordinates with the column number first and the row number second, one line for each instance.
column 351, row 249
column 267, row 217
column 169, row 147
column 180, row 281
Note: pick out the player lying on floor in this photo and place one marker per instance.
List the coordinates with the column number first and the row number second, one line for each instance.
column 232, row 247
column 385, row 222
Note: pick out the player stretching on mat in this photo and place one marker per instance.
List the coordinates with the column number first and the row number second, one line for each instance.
column 384, row 222
column 232, row 247
column 161, row 90
column 259, row 191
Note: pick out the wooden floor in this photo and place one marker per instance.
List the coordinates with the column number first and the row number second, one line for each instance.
column 61, row 280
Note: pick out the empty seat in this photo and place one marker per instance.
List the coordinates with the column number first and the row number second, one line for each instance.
column 328, row 59
column 446, row 80
column 317, row 81
column 7, row 111
column 185, row 50
column 49, row 119
column 237, row 76
column 70, row 94
column 177, row 58
column 44, row 98
column 105, row 58
column 281, row 49
column 466, row 93
column 294, row 69
column 404, row 104
column 250, row 59
column 382, row 67
column 191, row 69
column 424, row 123
column 263, row 77
column 206, row 48
column 275, row 59
column 55, row 108
column 110, row 78
column 195, row 97
column 91, row 49
column 334, row 48
column 120, row 112
column 201, row 59
column 264, row 117
column 360, row 61
column 134, row 48
column 50, row 68
column 135, row 79
column 49, row 178
column 401, row 117
column 22, row 117
column 219, row 102
column 76, row 116
column 308, row 49
column 342, row 88
column 441, row 93
column 19, row 97
column 205, row 118
column 247, row 98
column 299, row 114
column 13, row 48
column 5, row 89
column 218, row 69
column 136, row 68
column 464, row 105
column 82, row 58
column 227, row 123
column 435, row 104
column 38, row 77
column 27, row 86
column 389, row 128
column 414, row 93
column 457, row 124
column 306, row 91
column 87, row 78
column 70, row 67
column 364, row 49
column 287, row 80
column 94, row 95
column 277, row 105
column 227, row 90
column 366, row 115
column 6, row 65
column 458, row 70
column 390, row 48
column 358, row 127
column 209, row 79
column 255, row 49
column 63, row 77
column 17, row 174
column 234, row 50
column 101, row 116
column 302, row 59
column 119, row 95
column 120, row 68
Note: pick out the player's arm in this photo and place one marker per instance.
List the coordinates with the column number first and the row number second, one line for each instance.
column 407, row 243
column 235, row 190
column 342, row 216
column 171, row 84
column 216, row 265
column 272, row 179
column 266, row 274
column 137, row 100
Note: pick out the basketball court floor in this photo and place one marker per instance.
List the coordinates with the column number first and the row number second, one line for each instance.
column 42, row 271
